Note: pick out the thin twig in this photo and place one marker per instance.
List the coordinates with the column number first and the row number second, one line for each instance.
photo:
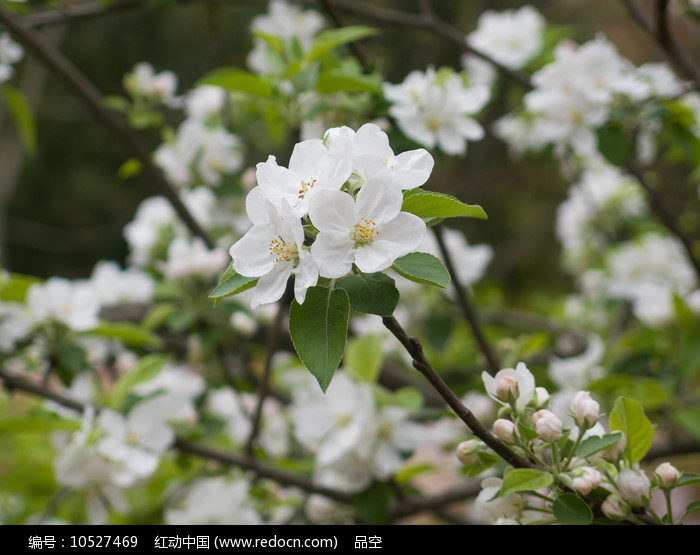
column 92, row 99
column 421, row 363
column 466, row 305
column 660, row 33
column 666, row 217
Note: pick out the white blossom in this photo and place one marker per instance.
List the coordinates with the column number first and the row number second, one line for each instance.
column 369, row 231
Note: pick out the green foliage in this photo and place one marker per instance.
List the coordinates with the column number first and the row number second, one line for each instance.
column 335, row 38
column 570, row 509
column 371, row 293
column 524, row 479
column 318, row 329
column 422, row 268
column 22, row 115
column 364, row 357
column 628, row 417
column 434, row 207
column 232, row 283
column 147, row 368
column 234, row 79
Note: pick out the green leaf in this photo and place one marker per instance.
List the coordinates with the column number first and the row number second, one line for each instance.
column 319, row 329
column 594, row 444
column 614, row 144
column 70, row 360
column 570, row 509
column 336, row 80
column 524, row 479
column 371, row 293
column 234, row 79
column 232, row 283
column 650, row 393
column 372, row 504
column 15, row 288
column 689, row 419
column 334, row 38
column 688, row 478
column 422, row 268
column 128, row 169
column 628, row 417
column 365, row 357
column 130, row 334
column 692, row 507
column 36, row 424
column 434, row 207
column 485, row 460
column 22, row 114
column 146, row 369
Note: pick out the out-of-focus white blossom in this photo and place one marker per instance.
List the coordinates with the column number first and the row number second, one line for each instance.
column 10, row 53
column 69, row 302
column 216, row 500
column 511, row 38
column 436, row 109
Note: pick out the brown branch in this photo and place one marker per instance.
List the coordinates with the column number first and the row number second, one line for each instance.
column 659, row 31
column 665, row 215
column 92, row 99
column 426, row 21
column 466, row 305
column 421, row 363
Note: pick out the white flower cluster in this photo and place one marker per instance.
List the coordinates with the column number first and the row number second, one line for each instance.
column 528, row 426
column 598, row 205
column 75, row 304
column 157, row 238
column 203, row 150
column 143, row 83
column 10, row 53
column 114, row 451
column 575, row 94
column 352, row 438
column 646, row 271
column 348, row 188
column 436, row 108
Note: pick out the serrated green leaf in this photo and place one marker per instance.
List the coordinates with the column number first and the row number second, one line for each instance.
column 234, row 79
column 485, row 460
column 146, row 369
column 524, row 479
column 433, row 206
column 422, row 268
column 21, row 113
column 594, row 444
column 628, row 417
column 570, row 509
column 364, row 356
column 650, row 393
column 371, row 293
column 318, row 329
column 334, row 38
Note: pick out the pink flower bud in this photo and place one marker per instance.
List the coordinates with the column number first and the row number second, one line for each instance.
column 468, row 451
column 547, row 424
column 584, row 409
column 667, row 475
column 585, row 479
column 614, row 507
column 634, row 486
column 505, row 430
column 507, row 388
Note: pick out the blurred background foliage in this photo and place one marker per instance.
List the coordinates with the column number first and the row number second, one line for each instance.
column 63, row 208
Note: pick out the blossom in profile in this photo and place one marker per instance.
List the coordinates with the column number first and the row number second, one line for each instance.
column 10, row 53
column 273, row 250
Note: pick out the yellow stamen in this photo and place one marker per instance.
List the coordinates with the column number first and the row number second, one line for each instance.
column 364, row 231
